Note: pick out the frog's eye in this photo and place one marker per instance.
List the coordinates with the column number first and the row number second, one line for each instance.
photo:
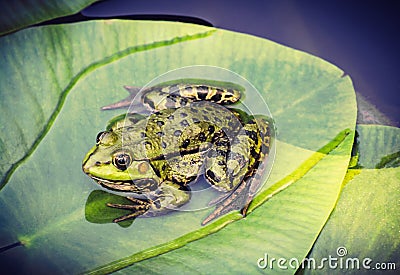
column 122, row 161
column 99, row 137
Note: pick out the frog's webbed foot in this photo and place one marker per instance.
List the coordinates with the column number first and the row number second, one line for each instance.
column 235, row 200
column 126, row 102
column 138, row 208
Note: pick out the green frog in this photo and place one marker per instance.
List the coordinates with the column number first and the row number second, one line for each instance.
column 189, row 133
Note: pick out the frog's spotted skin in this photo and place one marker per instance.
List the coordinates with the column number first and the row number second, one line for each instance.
column 188, row 134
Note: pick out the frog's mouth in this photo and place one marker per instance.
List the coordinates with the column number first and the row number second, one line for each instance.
column 138, row 186
column 116, row 185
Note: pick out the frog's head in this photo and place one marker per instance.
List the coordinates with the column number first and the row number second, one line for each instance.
column 116, row 167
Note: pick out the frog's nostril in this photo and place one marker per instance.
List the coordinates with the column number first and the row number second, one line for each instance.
column 97, row 163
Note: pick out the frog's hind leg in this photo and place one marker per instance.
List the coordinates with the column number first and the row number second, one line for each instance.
column 240, row 198
column 168, row 197
column 219, row 95
column 257, row 134
column 229, row 161
column 264, row 125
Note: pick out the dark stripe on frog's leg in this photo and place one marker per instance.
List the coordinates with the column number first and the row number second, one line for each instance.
column 265, row 129
column 175, row 96
column 158, row 100
column 214, row 94
column 181, row 95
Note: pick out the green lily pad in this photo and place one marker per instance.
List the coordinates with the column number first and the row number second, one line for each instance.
column 365, row 224
column 58, row 77
column 378, row 146
column 17, row 14
column 96, row 210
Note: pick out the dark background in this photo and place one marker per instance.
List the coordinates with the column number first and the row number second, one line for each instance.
column 360, row 37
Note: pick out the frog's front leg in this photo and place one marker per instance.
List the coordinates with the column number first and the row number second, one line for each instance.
column 169, row 196
column 138, row 208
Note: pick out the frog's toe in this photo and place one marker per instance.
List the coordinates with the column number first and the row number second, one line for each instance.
column 236, row 200
column 138, row 208
column 129, row 216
